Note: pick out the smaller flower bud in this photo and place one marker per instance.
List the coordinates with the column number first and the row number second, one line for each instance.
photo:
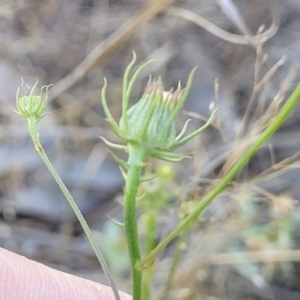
column 32, row 106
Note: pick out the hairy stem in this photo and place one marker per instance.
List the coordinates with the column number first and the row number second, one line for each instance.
column 135, row 162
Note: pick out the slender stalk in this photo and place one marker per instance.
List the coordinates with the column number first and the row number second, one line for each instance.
column 174, row 265
column 136, row 159
column 151, row 231
column 269, row 131
column 38, row 147
column 151, row 234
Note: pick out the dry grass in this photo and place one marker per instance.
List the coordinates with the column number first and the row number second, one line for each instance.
column 247, row 241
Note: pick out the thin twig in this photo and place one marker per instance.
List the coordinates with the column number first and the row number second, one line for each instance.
column 254, row 256
column 109, row 45
column 222, row 34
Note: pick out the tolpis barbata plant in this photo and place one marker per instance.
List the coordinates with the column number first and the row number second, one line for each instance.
column 148, row 129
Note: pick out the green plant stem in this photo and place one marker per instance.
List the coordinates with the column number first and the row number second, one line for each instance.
column 267, row 133
column 38, row 147
column 151, row 234
column 174, row 265
column 136, row 159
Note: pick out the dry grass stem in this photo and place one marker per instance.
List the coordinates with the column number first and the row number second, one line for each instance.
column 222, row 34
column 254, row 256
column 110, row 45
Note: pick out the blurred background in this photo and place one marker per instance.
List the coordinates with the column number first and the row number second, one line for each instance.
column 247, row 243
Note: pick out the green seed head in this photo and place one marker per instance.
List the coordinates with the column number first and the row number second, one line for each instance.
column 148, row 121
column 32, row 106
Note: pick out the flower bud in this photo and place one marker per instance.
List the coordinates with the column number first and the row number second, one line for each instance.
column 32, row 106
column 150, row 123
column 148, row 120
